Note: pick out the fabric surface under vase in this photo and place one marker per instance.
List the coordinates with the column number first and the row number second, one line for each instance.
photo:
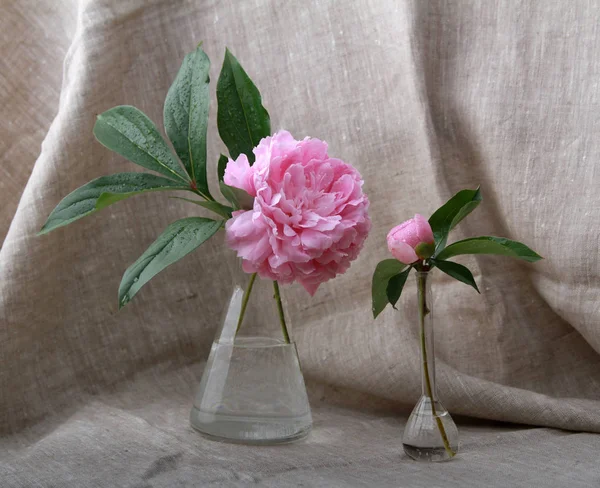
column 424, row 98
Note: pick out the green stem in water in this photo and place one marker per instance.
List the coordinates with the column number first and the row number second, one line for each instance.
column 423, row 311
column 277, row 296
column 245, row 299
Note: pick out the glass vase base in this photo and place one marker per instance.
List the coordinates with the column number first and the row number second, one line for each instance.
column 430, row 434
column 252, row 391
column 251, row 430
column 426, row 454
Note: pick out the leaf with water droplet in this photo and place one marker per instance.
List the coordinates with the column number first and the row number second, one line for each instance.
column 179, row 239
column 241, row 118
column 123, row 129
column 186, row 116
column 102, row 192
column 384, row 272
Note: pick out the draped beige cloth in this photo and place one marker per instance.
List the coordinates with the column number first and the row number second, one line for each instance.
column 424, row 98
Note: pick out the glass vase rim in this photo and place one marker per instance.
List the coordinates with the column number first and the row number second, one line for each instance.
column 257, row 342
column 424, row 273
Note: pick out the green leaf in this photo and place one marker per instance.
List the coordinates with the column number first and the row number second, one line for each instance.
column 186, row 116
column 238, row 198
column 395, row 286
column 385, row 270
column 490, row 245
column 241, row 118
column 216, row 207
column 179, row 239
column 130, row 133
column 451, row 213
column 102, row 192
column 223, row 160
column 457, row 271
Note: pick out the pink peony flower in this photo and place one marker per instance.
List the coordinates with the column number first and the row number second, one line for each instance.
column 412, row 240
column 309, row 218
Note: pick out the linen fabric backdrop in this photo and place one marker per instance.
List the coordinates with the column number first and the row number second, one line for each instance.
column 425, row 99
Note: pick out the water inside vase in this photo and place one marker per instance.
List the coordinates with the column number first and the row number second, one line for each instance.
column 422, row 439
column 252, row 391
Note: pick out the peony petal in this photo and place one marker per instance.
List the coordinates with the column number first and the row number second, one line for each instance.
column 313, row 149
column 315, row 240
column 311, row 288
column 240, row 225
column 288, row 231
column 248, row 267
column 327, row 224
column 239, row 174
column 403, row 252
column 423, row 229
column 325, row 204
column 294, row 181
column 344, row 186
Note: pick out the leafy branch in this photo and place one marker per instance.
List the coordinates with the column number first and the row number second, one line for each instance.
column 127, row 131
column 390, row 275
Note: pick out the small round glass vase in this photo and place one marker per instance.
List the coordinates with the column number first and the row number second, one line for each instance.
column 252, row 390
column 430, row 434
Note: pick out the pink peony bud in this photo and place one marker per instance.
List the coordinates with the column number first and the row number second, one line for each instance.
column 412, row 240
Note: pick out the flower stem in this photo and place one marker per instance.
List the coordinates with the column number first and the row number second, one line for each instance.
column 245, row 299
column 423, row 311
column 194, row 189
column 277, row 296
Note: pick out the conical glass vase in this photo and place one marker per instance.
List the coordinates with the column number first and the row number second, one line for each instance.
column 252, row 390
column 430, row 434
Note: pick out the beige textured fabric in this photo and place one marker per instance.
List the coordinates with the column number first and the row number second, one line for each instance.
column 425, row 98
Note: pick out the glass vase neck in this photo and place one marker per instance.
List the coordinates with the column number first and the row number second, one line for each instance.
column 426, row 342
column 255, row 310
column 430, row 433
